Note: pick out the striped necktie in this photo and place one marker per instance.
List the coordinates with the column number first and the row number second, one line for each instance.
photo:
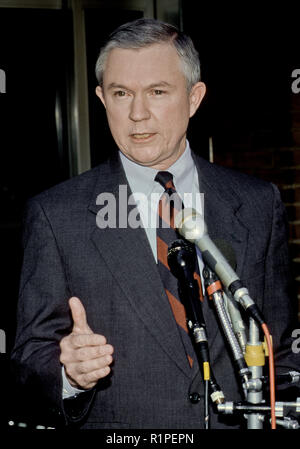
column 170, row 203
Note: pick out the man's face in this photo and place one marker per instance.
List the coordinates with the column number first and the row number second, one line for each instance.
column 147, row 103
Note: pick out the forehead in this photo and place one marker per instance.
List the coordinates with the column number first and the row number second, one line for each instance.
column 158, row 62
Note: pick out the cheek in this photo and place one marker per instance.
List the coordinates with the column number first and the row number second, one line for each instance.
column 175, row 121
column 175, row 113
column 117, row 122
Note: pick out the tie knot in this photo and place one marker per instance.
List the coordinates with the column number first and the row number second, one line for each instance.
column 165, row 179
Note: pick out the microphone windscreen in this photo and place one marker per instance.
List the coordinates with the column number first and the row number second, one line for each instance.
column 181, row 253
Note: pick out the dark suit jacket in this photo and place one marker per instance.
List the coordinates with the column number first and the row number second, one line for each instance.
column 115, row 275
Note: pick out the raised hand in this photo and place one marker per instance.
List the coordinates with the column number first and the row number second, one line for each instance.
column 86, row 356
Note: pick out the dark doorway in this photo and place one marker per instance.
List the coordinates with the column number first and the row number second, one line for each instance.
column 36, row 55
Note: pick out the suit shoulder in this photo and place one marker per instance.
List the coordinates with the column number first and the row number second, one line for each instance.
column 238, row 182
column 79, row 188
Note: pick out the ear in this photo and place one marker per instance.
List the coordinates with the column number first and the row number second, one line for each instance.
column 196, row 96
column 99, row 93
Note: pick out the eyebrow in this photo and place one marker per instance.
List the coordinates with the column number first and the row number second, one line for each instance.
column 150, row 86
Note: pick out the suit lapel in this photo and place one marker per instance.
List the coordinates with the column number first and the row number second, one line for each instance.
column 129, row 256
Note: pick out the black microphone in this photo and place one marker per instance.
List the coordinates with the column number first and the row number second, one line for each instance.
column 182, row 259
column 192, row 227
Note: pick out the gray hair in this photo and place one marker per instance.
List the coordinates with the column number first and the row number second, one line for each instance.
column 144, row 32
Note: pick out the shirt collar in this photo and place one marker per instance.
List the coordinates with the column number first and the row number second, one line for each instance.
column 141, row 178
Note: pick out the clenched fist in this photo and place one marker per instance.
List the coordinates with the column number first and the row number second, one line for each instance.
column 86, row 356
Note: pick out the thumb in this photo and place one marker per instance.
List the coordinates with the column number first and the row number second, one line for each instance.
column 80, row 325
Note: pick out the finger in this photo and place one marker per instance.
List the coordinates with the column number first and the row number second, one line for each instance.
column 80, row 324
column 93, row 365
column 82, row 340
column 88, row 380
column 93, row 352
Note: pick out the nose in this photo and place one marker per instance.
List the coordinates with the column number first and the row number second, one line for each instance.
column 138, row 109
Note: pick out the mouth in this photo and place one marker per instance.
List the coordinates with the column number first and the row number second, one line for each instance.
column 142, row 136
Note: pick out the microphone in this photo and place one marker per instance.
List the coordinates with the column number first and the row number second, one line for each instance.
column 182, row 259
column 182, row 262
column 192, row 227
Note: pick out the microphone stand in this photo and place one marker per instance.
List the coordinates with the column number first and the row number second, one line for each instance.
column 192, row 227
column 255, row 359
column 250, row 362
column 237, row 322
column 215, row 293
column 253, row 409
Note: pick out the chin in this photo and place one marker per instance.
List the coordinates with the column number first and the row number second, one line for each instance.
column 145, row 163
column 142, row 159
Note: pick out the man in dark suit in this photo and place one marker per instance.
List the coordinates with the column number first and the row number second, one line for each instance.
column 96, row 334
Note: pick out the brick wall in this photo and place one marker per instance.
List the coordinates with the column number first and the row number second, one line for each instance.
column 291, row 192
column 253, row 153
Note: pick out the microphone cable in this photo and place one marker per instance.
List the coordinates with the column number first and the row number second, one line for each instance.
column 271, row 374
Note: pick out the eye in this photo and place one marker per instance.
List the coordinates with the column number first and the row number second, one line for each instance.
column 158, row 92
column 120, row 93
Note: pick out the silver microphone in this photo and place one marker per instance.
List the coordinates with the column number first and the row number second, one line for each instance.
column 190, row 224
